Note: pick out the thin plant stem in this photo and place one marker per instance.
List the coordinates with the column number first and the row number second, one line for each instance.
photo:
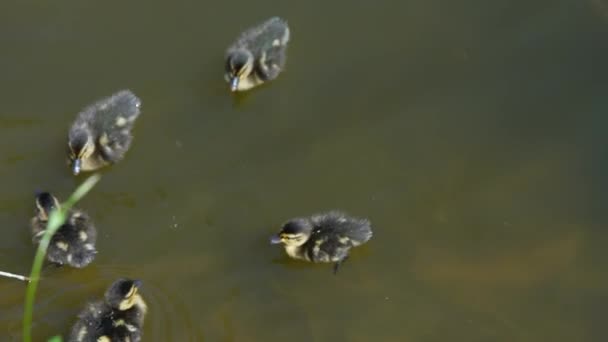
column 56, row 219
column 14, row 276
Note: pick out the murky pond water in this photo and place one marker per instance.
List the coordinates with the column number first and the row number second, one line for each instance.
column 471, row 133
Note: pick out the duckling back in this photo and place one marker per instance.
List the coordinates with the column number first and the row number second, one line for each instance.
column 265, row 37
column 89, row 322
column 110, row 121
column 117, row 326
column 355, row 231
column 74, row 242
column 333, row 235
column 99, row 322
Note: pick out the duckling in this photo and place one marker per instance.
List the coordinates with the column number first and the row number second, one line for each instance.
column 118, row 318
column 101, row 134
column 323, row 237
column 74, row 242
column 258, row 55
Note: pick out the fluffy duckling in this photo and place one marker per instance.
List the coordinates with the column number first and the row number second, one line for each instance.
column 101, row 134
column 323, row 237
column 118, row 318
column 258, row 55
column 74, row 242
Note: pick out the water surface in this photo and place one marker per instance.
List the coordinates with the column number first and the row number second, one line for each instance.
column 470, row 133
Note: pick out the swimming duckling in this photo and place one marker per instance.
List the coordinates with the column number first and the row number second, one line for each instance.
column 323, row 237
column 258, row 55
column 118, row 318
column 74, row 242
column 101, row 133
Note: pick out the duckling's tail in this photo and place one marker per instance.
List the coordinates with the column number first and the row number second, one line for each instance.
column 83, row 256
column 362, row 232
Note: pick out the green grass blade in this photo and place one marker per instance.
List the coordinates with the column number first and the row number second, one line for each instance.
column 56, row 219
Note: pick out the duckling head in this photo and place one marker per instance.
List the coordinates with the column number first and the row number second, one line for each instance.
column 122, row 294
column 293, row 233
column 238, row 67
column 45, row 203
column 81, row 146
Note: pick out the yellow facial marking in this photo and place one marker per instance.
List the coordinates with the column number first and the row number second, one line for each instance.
column 130, row 299
column 132, row 291
column 83, row 235
column 125, row 305
column 294, row 252
column 276, row 42
column 104, row 339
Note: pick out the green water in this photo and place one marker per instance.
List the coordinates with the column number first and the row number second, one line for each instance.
column 471, row 134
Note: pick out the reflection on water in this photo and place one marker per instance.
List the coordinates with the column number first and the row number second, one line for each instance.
column 470, row 133
column 520, row 268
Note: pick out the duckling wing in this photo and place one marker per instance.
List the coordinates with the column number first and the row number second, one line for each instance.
column 83, row 225
column 98, row 320
column 326, row 246
column 271, row 62
column 115, row 123
column 334, row 235
column 119, row 327
column 269, row 46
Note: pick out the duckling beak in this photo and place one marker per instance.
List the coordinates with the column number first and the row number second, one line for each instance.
column 137, row 283
column 76, row 166
column 275, row 240
column 234, row 83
